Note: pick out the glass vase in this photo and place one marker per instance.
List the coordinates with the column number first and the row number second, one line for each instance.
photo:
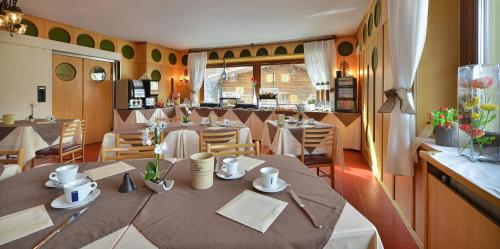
column 478, row 97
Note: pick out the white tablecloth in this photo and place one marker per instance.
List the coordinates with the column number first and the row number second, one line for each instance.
column 352, row 231
column 27, row 138
column 181, row 143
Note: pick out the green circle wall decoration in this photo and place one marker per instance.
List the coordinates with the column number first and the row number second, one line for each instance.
column 31, row 28
column 172, row 58
column 59, row 34
column 156, row 75
column 245, row 53
column 228, row 54
column 378, row 13
column 262, row 52
column 345, row 48
column 107, row 45
column 365, row 33
column 185, row 60
column 128, row 52
column 156, row 55
column 374, row 59
column 65, row 72
column 299, row 49
column 370, row 24
column 213, row 56
column 280, row 50
column 85, row 40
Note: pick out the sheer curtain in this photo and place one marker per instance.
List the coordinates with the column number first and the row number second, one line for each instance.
column 407, row 30
column 197, row 63
column 319, row 58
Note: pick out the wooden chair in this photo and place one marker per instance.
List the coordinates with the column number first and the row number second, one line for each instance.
column 13, row 157
column 69, row 131
column 234, row 149
column 313, row 138
column 226, row 137
column 122, row 153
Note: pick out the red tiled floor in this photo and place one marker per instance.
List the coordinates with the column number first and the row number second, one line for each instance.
column 360, row 188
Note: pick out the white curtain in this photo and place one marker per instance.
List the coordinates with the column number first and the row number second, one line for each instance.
column 197, row 63
column 407, row 30
column 319, row 59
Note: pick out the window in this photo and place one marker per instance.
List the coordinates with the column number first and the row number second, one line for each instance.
column 238, row 84
column 291, row 80
column 489, row 34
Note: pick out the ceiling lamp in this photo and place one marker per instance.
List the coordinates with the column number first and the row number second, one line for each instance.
column 11, row 17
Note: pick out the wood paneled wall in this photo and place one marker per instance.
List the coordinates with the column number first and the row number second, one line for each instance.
column 140, row 63
column 435, row 85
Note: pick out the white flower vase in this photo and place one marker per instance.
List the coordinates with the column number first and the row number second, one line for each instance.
column 161, row 186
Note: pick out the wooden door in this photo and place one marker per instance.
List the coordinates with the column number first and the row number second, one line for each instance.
column 67, row 92
column 97, row 99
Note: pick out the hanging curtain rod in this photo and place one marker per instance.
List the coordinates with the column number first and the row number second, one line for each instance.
column 322, row 38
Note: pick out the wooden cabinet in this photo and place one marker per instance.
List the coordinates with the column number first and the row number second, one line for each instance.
column 454, row 223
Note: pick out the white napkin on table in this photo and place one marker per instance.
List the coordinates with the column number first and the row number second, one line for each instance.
column 17, row 225
column 248, row 163
column 108, row 170
column 253, row 210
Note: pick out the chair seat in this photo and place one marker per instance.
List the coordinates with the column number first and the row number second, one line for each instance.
column 54, row 150
column 316, row 159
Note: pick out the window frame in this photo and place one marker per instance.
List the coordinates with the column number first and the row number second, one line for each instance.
column 256, row 70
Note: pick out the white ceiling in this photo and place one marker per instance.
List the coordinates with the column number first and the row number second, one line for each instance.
column 184, row 24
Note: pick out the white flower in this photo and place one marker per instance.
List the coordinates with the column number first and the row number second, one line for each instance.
column 158, row 149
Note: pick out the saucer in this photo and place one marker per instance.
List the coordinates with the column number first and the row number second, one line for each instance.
column 240, row 173
column 54, row 184
column 60, row 202
column 280, row 186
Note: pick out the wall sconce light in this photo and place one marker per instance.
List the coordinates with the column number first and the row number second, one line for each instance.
column 184, row 78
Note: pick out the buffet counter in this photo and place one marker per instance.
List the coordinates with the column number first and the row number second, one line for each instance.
column 128, row 119
column 348, row 123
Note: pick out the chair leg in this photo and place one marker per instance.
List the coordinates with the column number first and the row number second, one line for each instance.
column 332, row 175
column 317, row 171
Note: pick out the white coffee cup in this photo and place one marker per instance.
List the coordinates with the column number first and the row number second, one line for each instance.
column 204, row 120
column 78, row 190
column 227, row 122
column 64, row 174
column 269, row 177
column 229, row 166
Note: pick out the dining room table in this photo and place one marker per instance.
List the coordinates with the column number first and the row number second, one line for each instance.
column 286, row 139
column 183, row 138
column 181, row 217
column 31, row 136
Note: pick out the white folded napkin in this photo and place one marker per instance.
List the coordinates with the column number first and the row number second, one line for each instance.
column 215, row 128
column 248, row 163
column 17, row 225
column 108, row 170
column 254, row 210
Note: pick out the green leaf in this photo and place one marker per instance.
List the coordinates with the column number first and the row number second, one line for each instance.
column 150, row 171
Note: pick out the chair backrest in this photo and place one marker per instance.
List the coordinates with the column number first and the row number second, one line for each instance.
column 234, row 149
column 70, row 130
column 225, row 137
column 12, row 157
column 316, row 137
column 122, row 153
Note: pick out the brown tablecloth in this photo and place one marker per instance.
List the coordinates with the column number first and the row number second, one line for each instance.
column 48, row 131
column 111, row 211
column 186, row 218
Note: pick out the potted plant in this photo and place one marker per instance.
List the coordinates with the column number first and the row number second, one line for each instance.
column 444, row 121
column 309, row 105
column 152, row 174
